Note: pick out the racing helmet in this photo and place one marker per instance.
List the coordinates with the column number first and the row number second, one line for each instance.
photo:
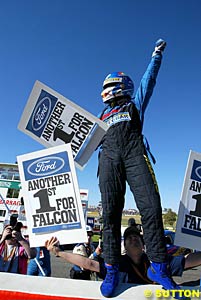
column 117, row 84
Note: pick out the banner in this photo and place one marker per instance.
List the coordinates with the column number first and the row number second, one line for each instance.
column 188, row 229
column 10, row 184
column 84, row 194
column 51, row 196
column 12, row 203
column 91, row 221
column 52, row 120
column 84, row 199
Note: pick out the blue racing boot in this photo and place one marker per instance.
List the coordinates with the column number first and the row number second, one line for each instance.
column 111, row 280
column 158, row 273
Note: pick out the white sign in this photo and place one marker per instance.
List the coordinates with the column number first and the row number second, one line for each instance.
column 52, row 120
column 188, row 231
column 51, row 196
column 84, row 194
column 13, row 204
column 84, row 199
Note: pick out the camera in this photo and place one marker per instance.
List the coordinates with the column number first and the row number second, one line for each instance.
column 16, row 226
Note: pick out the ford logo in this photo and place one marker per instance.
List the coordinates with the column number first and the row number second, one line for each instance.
column 198, row 172
column 46, row 166
column 41, row 113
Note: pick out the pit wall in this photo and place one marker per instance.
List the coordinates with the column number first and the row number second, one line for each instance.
column 19, row 287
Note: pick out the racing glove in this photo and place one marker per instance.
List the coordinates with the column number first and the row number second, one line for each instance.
column 159, row 47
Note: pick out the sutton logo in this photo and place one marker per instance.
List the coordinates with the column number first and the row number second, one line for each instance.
column 46, row 166
column 41, row 113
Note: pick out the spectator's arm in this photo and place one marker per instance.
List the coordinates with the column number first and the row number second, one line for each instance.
column 81, row 261
column 76, row 259
column 96, row 253
column 192, row 260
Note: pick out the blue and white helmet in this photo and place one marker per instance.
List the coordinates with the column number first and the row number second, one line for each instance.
column 117, row 84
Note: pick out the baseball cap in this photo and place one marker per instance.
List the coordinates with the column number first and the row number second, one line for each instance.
column 131, row 230
column 89, row 229
column 80, row 249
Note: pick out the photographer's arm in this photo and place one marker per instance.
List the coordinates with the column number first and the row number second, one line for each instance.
column 31, row 252
column 6, row 232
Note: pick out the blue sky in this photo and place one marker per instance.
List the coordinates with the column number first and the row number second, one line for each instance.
column 72, row 45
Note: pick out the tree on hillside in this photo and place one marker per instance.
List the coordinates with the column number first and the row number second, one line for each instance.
column 169, row 217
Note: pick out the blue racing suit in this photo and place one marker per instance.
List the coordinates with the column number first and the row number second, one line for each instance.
column 123, row 158
column 137, row 273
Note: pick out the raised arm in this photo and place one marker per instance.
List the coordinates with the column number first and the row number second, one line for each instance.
column 76, row 259
column 148, row 80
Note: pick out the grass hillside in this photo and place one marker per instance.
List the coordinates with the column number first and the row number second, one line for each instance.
column 124, row 221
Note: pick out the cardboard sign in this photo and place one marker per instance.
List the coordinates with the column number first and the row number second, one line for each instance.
column 51, row 196
column 84, row 199
column 52, row 120
column 91, row 221
column 188, row 229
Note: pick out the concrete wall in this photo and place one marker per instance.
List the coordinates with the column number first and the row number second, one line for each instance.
column 18, row 287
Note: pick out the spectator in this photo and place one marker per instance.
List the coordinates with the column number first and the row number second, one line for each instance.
column 133, row 265
column 14, row 250
column 132, row 222
column 41, row 264
column 86, row 250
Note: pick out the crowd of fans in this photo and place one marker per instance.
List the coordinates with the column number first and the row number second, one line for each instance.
column 16, row 256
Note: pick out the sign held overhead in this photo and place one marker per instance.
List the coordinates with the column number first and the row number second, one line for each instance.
column 52, row 120
column 51, row 196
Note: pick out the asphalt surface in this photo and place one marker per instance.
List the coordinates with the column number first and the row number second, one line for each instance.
column 61, row 269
